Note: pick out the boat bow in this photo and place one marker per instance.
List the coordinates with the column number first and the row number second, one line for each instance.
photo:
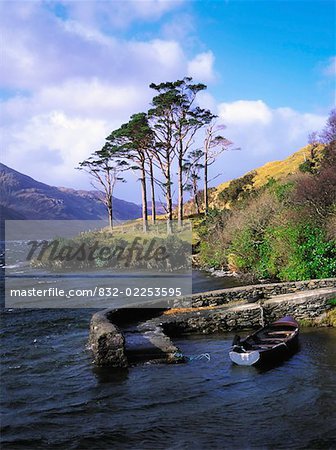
column 245, row 358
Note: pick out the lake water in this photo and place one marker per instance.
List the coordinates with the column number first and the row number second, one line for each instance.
column 53, row 397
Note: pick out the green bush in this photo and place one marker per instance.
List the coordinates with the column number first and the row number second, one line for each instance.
column 297, row 252
column 212, row 256
column 238, row 189
column 244, row 251
column 308, row 166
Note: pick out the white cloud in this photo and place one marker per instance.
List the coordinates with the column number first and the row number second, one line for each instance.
column 80, row 82
column 246, row 112
column 86, row 32
column 49, row 146
column 46, row 134
column 181, row 27
column 263, row 134
column 44, row 49
column 75, row 85
column 266, row 133
column 201, row 67
column 118, row 14
column 151, row 9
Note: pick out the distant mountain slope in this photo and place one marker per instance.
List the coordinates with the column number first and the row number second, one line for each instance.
column 22, row 197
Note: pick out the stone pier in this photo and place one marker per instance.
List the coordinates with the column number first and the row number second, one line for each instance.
column 119, row 338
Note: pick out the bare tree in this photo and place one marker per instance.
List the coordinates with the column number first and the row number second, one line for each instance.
column 328, row 134
column 313, row 142
column 150, row 171
column 193, row 167
column 106, row 173
column 214, row 145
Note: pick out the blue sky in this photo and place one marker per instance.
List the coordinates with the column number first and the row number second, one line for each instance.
column 73, row 71
column 272, row 50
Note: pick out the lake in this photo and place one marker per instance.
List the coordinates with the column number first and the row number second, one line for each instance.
column 53, row 397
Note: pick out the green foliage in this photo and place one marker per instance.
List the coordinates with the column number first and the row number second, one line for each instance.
column 269, row 238
column 210, row 256
column 282, row 190
column 238, row 189
column 244, row 250
column 308, row 166
column 214, row 218
column 332, row 302
column 292, row 251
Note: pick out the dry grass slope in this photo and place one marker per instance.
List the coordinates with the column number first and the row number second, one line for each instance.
column 275, row 169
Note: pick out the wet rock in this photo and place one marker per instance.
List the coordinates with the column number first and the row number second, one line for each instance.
column 107, row 342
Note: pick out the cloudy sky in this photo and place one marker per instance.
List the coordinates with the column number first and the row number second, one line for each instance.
column 73, row 71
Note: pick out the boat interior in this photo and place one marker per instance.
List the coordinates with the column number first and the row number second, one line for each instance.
column 268, row 338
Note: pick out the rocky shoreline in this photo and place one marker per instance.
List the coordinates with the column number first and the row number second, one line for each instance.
column 226, row 273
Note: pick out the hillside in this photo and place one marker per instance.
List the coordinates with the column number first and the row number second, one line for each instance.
column 275, row 169
column 22, row 197
column 269, row 224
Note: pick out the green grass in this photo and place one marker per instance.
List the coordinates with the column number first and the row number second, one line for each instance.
column 332, row 301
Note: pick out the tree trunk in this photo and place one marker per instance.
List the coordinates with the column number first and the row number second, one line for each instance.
column 110, row 212
column 144, row 198
column 196, row 202
column 169, row 199
column 206, row 197
column 151, row 174
column 180, row 192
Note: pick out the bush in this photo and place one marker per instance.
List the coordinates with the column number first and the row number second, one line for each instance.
column 238, row 189
column 308, row 166
column 284, row 230
column 297, row 252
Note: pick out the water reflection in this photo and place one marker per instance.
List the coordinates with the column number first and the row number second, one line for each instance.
column 110, row 375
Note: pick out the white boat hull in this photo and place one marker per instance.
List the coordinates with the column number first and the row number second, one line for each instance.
column 245, row 358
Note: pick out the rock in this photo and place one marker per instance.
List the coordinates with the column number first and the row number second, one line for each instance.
column 106, row 341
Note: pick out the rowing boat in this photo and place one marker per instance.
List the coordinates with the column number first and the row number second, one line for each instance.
column 271, row 343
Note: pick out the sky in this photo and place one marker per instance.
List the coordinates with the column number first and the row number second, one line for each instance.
column 73, row 71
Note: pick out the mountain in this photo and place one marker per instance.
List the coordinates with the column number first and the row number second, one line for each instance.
column 22, row 197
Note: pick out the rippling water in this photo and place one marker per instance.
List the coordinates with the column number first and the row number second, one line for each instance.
column 53, row 397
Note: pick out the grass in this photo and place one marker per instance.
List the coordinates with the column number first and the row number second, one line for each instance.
column 332, row 302
column 328, row 319
column 331, row 318
column 275, row 169
column 133, row 229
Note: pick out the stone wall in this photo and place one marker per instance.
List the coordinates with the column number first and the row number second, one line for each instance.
column 107, row 338
column 301, row 305
column 256, row 292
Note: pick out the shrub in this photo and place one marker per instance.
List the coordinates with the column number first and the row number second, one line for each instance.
column 307, row 166
column 295, row 251
column 238, row 189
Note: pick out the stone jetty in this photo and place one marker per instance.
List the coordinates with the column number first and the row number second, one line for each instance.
column 122, row 337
